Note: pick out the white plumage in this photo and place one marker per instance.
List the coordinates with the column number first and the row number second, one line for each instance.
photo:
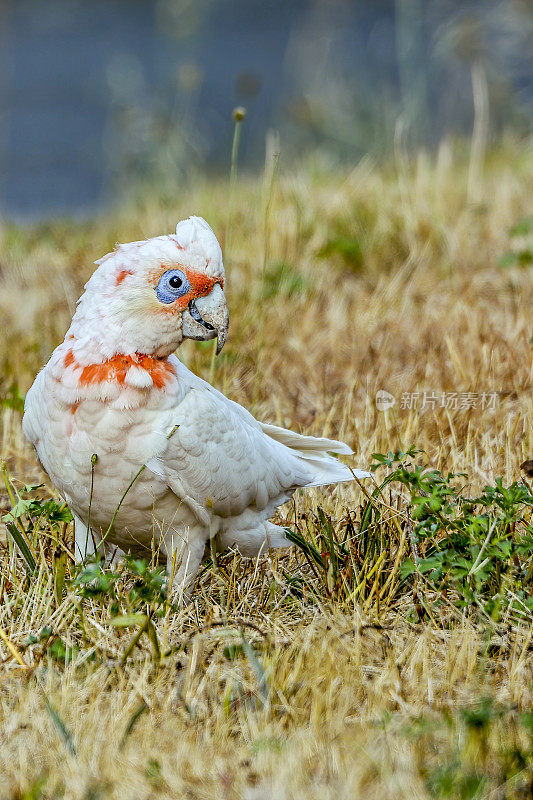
column 114, row 388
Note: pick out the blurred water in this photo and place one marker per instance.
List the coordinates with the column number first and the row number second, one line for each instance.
column 97, row 94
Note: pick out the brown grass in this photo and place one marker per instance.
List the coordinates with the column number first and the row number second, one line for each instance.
column 341, row 700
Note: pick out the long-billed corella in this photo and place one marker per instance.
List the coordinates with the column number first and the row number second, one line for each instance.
column 114, row 406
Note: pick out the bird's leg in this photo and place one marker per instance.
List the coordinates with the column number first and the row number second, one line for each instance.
column 184, row 556
column 112, row 554
column 214, row 525
column 87, row 542
column 213, row 553
column 222, row 581
column 216, row 569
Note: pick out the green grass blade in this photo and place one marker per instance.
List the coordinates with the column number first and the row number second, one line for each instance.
column 257, row 668
column 61, row 727
column 139, row 711
column 24, row 548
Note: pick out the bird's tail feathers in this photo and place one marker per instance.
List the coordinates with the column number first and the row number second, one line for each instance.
column 315, row 452
column 326, row 470
column 296, row 441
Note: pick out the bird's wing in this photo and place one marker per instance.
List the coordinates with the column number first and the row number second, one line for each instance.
column 224, row 461
column 223, row 458
column 314, row 450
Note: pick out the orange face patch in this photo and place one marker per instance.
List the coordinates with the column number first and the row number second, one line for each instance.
column 115, row 369
column 201, row 285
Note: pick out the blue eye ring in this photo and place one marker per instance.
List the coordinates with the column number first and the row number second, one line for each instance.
column 172, row 284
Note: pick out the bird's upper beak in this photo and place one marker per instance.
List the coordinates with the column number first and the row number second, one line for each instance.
column 207, row 317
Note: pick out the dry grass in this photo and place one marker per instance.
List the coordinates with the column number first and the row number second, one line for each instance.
column 338, row 698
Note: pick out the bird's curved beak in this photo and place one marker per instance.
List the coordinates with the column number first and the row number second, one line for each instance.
column 207, row 317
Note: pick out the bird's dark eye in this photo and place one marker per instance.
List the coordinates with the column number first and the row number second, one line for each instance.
column 172, row 284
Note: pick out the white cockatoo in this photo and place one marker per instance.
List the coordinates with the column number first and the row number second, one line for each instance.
column 114, row 405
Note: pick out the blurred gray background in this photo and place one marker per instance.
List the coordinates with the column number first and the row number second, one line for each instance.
column 97, row 96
